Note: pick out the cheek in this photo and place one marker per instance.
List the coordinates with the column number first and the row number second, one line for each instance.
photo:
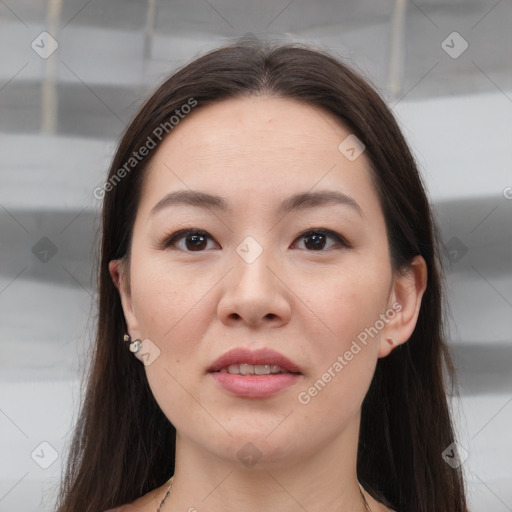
column 347, row 300
column 168, row 301
column 344, row 354
column 347, row 304
column 173, row 310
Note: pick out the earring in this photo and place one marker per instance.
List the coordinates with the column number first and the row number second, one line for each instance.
column 135, row 345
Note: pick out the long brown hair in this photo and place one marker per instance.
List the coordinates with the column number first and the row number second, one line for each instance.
column 124, row 446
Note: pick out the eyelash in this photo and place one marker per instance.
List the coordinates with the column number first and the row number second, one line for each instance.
column 179, row 235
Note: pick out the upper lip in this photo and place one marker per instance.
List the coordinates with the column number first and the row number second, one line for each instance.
column 261, row 356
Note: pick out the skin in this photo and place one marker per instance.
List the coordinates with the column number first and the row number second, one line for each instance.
column 308, row 304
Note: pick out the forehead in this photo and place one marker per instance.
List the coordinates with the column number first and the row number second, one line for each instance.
column 240, row 125
column 257, row 145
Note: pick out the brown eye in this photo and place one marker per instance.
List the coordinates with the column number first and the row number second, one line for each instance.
column 191, row 240
column 317, row 239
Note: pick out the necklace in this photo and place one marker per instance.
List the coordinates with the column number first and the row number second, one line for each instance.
column 165, row 497
column 159, row 509
column 364, row 499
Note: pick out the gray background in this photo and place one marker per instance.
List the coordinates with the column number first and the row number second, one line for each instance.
column 62, row 113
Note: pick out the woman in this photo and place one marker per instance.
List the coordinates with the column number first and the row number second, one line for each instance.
column 270, row 317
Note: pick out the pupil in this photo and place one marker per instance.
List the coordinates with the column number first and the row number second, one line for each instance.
column 318, row 241
column 197, row 241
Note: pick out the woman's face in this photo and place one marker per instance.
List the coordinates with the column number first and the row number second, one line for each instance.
column 279, row 266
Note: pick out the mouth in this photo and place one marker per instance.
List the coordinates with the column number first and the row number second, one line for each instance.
column 253, row 369
column 265, row 361
column 254, row 374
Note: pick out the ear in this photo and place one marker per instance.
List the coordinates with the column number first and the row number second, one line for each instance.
column 405, row 300
column 119, row 272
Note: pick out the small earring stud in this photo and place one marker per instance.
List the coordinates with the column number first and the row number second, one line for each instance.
column 135, row 345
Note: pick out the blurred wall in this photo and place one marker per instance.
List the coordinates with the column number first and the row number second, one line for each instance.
column 73, row 73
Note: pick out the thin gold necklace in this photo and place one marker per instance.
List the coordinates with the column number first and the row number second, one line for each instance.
column 166, row 494
column 159, row 509
column 364, row 499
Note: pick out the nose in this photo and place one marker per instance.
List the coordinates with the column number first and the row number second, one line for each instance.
column 255, row 295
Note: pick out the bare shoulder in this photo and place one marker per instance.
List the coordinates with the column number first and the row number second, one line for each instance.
column 147, row 503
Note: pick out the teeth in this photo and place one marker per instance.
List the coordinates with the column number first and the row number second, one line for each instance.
column 234, row 368
column 262, row 369
column 245, row 369
column 253, row 369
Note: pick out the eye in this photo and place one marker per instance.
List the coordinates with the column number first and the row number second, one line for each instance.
column 194, row 240
column 316, row 239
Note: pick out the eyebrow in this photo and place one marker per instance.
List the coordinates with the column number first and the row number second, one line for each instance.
column 300, row 201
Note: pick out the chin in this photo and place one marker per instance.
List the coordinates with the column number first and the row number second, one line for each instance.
column 263, row 449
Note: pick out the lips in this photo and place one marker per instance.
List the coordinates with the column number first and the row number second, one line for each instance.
column 254, row 374
column 254, row 362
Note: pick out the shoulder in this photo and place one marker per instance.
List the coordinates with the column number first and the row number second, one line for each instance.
column 147, row 503
column 130, row 507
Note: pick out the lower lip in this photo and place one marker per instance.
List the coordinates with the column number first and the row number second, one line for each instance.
column 255, row 386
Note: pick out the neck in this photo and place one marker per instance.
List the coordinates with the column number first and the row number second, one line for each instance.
column 324, row 479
